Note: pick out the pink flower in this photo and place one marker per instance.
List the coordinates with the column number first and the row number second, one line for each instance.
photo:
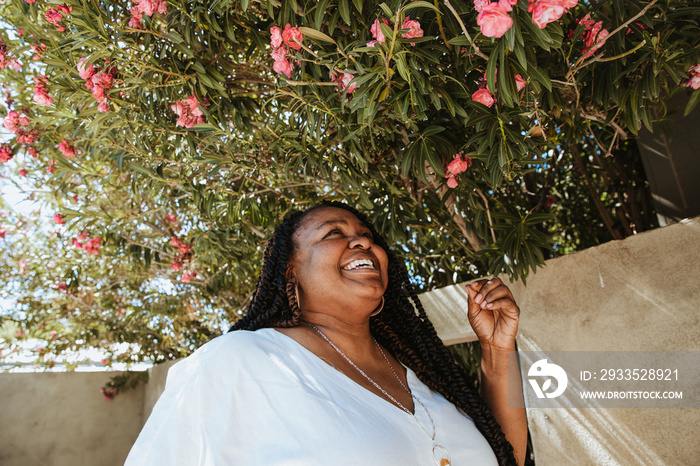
column 174, row 241
column 22, row 172
column 594, row 37
column 92, row 246
column 458, row 165
column 276, row 36
column 83, row 236
column 547, row 11
column 188, row 112
column 280, row 53
column 186, row 277
column 451, row 181
column 291, row 36
column 171, row 217
column 483, row 96
column 136, row 15
column 479, row 5
column 58, row 219
column 41, row 95
column 11, row 121
column 377, row 33
column 494, row 19
column 66, row 148
column 85, row 73
column 343, row 80
column 693, row 79
column 414, row 29
column 103, row 106
column 176, row 265
column 108, row 393
column 6, row 153
column 284, row 67
column 53, row 334
column 61, row 287
column 520, row 82
column 52, row 166
column 2, row 233
column 33, row 152
column 38, row 50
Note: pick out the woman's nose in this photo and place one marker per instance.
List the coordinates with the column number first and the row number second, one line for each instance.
column 360, row 241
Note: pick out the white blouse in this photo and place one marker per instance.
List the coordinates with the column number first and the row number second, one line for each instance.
column 262, row 399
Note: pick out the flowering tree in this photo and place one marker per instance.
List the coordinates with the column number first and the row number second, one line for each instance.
column 170, row 137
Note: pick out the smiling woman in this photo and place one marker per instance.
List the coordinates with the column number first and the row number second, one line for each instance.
column 336, row 363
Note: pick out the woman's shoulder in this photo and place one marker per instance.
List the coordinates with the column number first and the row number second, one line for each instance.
column 237, row 349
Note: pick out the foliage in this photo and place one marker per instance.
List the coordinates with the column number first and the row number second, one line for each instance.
column 183, row 129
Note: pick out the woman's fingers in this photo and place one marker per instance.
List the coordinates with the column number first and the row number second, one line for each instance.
column 490, row 291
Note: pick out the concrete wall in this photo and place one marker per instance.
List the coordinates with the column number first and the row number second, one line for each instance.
column 641, row 293
column 62, row 419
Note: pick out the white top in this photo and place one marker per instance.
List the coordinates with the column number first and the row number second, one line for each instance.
column 262, row 399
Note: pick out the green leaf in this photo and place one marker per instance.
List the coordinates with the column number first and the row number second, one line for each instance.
column 692, row 102
column 344, row 9
column 420, row 4
column 314, row 34
column 539, row 75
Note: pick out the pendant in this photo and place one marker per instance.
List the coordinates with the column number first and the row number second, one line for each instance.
column 440, row 455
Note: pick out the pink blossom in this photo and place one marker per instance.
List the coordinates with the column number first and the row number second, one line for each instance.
column 6, row 59
column 33, row 152
column 103, row 106
column 483, row 96
column 61, row 287
column 188, row 112
column 2, row 233
column 53, row 334
column 377, row 33
column 547, row 11
column 22, row 172
column 520, row 82
column 283, row 66
column 186, row 277
column 171, row 217
column 6, row 153
column 58, row 219
column 11, row 121
column 38, row 50
column 280, row 53
column 414, row 29
column 85, row 73
column 83, row 235
column 174, row 241
column 459, row 165
column 291, row 36
column 108, row 393
column 175, row 265
column 136, row 15
column 479, row 5
column 276, row 36
column 451, row 181
column 594, row 37
column 494, row 19
column 41, row 95
column 66, row 148
column 92, row 246
column 693, row 80
column 52, row 166
column 343, row 81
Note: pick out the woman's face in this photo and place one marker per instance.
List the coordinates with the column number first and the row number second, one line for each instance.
column 336, row 264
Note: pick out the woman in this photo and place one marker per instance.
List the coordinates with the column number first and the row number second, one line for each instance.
column 336, row 363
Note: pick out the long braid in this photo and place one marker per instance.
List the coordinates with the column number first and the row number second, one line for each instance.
column 402, row 327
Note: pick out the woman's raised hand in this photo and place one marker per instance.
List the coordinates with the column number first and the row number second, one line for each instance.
column 493, row 313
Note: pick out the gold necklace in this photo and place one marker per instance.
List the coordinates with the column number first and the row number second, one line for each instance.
column 440, row 453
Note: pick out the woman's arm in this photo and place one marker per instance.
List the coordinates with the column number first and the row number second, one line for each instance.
column 494, row 317
column 499, row 380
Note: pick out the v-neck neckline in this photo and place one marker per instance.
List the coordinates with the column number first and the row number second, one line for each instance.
column 409, row 373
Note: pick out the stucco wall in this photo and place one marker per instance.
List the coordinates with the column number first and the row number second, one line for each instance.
column 641, row 293
column 62, row 419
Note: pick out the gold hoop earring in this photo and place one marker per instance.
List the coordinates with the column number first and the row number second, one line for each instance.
column 376, row 312
column 296, row 295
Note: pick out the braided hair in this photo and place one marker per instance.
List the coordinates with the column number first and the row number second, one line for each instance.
column 402, row 326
